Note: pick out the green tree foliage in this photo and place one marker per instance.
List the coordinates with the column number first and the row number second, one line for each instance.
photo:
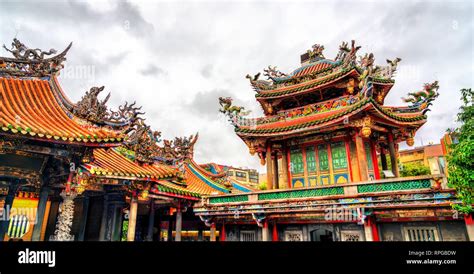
column 414, row 169
column 461, row 157
column 262, row 186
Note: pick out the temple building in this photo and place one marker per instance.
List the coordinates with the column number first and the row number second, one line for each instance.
column 43, row 139
column 327, row 125
column 79, row 171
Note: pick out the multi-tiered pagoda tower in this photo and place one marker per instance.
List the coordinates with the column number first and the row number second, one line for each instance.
column 327, row 120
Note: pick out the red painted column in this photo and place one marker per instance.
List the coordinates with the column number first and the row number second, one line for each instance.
column 275, row 233
column 223, row 234
column 370, row 227
column 375, row 231
column 375, row 161
column 469, row 226
column 348, row 154
column 288, row 162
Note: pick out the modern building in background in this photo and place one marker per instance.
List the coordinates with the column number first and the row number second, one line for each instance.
column 431, row 156
column 244, row 175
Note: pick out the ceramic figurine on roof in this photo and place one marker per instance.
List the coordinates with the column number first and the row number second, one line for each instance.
column 423, row 99
column 235, row 113
column 316, row 53
column 143, row 142
column 21, row 52
column 91, row 109
column 31, row 62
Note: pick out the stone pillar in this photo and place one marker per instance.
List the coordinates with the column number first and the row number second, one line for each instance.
column 200, row 235
column 132, row 219
column 383, row 159
column 105, row 216
column 265, row 232
column 12, row 188
column 151, row 221
column 43, row 200
column 170, row 230
column 284, row 168
column 117, row 221
column 363, row 168
column 393, row 155
column 469, row 226
column 269, row 167
column 213, row 232
column 275, row 233
column 276, row 174
column 83, row 221
column 66, row 214
column 179, row 223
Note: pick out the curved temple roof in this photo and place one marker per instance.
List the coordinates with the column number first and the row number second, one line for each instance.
column 33, row 105
column 110, row 163
column 30, row 108
column 321, row 119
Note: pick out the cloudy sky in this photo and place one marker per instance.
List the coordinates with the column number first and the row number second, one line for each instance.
column 176, row 58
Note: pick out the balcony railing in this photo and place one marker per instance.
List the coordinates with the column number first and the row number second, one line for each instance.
column 348, row 189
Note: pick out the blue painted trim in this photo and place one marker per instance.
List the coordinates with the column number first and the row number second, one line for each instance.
column 240, row 188
column 207, row 181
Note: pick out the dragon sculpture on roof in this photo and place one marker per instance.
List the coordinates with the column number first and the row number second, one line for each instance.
column 32, row 62
column 94, row 110
column 422, row 100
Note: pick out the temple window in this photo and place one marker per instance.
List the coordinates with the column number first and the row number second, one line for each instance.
column 339, row 157
column 311, row 159
column 323, row 157
column 297, row 161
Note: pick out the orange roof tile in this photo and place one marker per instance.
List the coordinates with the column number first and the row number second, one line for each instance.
column 30, row 108
column 198, row 182
column 111, row 162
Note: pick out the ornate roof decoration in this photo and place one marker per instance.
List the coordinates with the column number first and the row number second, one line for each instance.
column 345, row 55
column 235, row 113
column 422, row 100
column 272, row 72
column 316, row 68
column 316, row 53
column 93, row 110
column 31, row 62
column 177, row 150
column 143, row 142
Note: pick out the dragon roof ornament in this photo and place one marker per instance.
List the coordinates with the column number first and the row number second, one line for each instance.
column 31, row 62
column 346, row 58
column 94, row 110
column 145, row 144
column 177, row 150
column 422, row 100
